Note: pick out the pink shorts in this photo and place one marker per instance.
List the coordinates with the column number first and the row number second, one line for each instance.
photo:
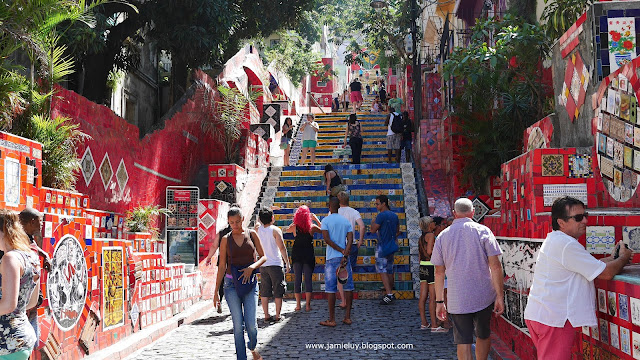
column 552, row 343
column 356, row 96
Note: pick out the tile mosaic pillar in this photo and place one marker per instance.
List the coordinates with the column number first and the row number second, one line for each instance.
column 225, row 181
column 413, row 219
column 271, row 115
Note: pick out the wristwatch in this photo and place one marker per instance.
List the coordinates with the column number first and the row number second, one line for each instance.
column 440, row 302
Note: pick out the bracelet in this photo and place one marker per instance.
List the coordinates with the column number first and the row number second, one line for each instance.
column 440, row 302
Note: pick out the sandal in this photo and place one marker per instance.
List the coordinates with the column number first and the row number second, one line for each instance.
column 328, row 323
column 307, row 308
column 425, row 327
column 278, row 319
column 268, row 319
column 298, row 308
column 439, row 329
column 347, row 321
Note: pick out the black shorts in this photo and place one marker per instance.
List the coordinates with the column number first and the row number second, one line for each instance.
column 427, row 273
column 464, row 325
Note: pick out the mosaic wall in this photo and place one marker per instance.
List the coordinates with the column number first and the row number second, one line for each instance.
column 617, row 134
column 614, row 28
column 94, row 294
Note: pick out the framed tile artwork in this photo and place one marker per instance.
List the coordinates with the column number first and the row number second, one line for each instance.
column 552, row 165
column 600, row 239
column 612, row 304
column 623, row 307
column 634, row 307
column 602, row 300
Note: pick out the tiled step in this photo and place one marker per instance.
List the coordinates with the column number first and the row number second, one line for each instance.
column 293, row 186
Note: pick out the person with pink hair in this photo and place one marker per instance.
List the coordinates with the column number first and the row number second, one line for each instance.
column 302, row 254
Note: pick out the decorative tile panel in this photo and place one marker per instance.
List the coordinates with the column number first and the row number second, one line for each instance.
column 552, row 165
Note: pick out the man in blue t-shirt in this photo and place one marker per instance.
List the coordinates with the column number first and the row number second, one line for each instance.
column 338, row 234
column 387, row 226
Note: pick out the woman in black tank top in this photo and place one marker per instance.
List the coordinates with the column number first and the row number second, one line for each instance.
column 303, row 255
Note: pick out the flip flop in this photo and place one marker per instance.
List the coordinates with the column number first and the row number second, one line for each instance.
column 347, row 321
column 328, row 323
column 343, row 306
column 297, row 309
column 425, row 327
column 307, row 309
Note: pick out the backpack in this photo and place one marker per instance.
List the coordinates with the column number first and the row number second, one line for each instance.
column 397, row 125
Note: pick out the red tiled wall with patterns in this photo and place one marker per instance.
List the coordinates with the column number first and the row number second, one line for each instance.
column 434, row 161
column 94, row 295
column 137, row 171
column 324, row 94
column 432, row 98
column 224, row 180
column 20, row 172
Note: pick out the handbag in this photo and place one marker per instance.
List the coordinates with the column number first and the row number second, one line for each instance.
column 242, row 289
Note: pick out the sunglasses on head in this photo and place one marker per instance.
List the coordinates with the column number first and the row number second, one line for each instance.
column 579, row 217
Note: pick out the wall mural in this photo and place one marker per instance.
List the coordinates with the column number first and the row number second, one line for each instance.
column 518, row 260
column 112, row 287
column 67, row 282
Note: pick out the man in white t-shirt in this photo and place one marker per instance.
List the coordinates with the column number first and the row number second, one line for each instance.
column 309, row 130
column 562, row 295
column 354, row 218
column 272, row 272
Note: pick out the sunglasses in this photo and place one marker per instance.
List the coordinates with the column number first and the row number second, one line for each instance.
column 579, row 217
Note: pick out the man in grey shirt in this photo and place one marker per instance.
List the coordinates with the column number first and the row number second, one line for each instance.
column 468, row 254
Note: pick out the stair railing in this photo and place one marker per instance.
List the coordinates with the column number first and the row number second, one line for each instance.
column 315, row 101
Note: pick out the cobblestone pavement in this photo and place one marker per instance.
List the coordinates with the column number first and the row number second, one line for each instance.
column 211, row 336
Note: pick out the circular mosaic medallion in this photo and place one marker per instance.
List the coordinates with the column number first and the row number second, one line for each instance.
column 67, row 282
column 617, row 136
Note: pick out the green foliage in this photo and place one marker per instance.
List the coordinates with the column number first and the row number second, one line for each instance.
column 195, row 33
column 293, row 56
column 60, row 140
column 499, row 93
column 33, row 28
column 354, row 54
column 349, row 19
column 225, row 123
column 114, row 79
column 559, row 15
column 141, row 219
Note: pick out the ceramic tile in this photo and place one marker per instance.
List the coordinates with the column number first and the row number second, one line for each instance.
column 87, row 166
column 600, row 239
column 554, row 191
column 580, row 166
column 631, row 237
column 552, row 165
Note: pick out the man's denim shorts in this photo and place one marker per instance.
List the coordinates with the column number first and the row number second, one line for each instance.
column 331, row 279
column 384, row 265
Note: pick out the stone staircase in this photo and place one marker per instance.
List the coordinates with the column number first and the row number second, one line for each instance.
column 331, row 135
column 286, row 188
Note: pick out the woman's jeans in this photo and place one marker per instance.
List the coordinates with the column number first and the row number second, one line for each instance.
column 244, row 316
column 356, row 149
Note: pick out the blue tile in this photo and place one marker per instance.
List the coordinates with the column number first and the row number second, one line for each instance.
column 604, row 26
column 88, row 242
column 604, row 56
column 615, row 13
column 599, row 67
column 597, row 39
column 632, row 12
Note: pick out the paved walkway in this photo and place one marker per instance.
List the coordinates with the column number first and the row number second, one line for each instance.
column 211, row 336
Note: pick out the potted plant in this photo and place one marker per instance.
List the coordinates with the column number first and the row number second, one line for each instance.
column 140, row 225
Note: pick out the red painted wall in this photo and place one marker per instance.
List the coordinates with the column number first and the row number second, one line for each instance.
column 176, row 152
